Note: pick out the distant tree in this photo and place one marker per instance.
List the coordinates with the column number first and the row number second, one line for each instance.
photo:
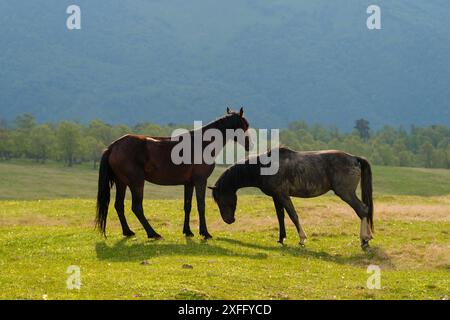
column 447, row 151
column 23, row 124
column 387, row 135
column 386, row 155
column 102, row 132
column 42, row 142
column 426, row 152
column 405, row 159
column 298, row 125
column 150, row 129
column 94, row 150
column 334, row 132
column 6, row 144
column 69, row 141
column 362, row 126
column 376, row 158
column 439, row 158
column 320, row 133
column 25, row 121
column 119, row 131
column 353, row 144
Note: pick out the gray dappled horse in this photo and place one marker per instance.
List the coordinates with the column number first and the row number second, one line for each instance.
column 304, row 175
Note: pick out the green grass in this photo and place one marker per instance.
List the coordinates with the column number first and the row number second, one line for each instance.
column 27, row 180
column 411, row 181
column 40, row 239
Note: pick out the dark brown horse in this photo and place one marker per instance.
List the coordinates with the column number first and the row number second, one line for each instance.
column 304, row 175
column 134, row 159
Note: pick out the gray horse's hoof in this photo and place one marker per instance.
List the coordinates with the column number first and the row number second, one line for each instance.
column 365, row 245
column 302, row 242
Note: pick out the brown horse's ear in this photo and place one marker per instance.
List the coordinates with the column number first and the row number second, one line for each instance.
column 228, row 110
column 241, row 112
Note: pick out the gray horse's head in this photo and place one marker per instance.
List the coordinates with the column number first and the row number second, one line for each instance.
column 226, row 200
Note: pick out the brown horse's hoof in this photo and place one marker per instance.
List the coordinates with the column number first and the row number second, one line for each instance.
column 129, row 234
column 155, row 237
column 206, row 236
column 188, row 234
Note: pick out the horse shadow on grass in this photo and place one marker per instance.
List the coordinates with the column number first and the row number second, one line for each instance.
column 374, row 255
column 122, row 251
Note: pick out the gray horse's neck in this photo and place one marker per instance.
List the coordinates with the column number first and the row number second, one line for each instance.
column 241, row 175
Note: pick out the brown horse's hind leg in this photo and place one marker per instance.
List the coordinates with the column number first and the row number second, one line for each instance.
column 287, row 204
column 137, row 193
column 120, row 208
column 361, row 210
column 280, row 215
column 188, row 191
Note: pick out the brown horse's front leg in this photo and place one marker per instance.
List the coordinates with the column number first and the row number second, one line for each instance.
column 200, row 192
column 188, row 191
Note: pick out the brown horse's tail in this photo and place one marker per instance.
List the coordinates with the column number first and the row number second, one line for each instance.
column 105, row 182
column 366, row 188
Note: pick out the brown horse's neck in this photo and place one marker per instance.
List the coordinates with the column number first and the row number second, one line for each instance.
column 221, row 124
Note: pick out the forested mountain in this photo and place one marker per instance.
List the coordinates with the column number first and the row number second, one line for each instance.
column 175, row 61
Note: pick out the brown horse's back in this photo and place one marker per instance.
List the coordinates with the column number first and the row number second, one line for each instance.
column 150, row 158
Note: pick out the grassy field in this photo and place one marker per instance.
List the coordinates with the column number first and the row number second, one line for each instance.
column 41, row 236
column 27, row 180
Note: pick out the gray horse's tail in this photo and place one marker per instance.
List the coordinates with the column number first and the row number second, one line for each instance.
column 366, row 188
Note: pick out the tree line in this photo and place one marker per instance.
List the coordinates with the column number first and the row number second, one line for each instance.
column 73, row 143
column 67, row 141
column 427, row 147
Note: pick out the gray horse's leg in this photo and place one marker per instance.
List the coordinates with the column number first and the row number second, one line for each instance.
column 361, row 210
column 280, row 215
column 287, row 204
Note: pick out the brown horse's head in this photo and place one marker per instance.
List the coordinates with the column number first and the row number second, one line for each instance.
column 240, row 123
column 226, row 200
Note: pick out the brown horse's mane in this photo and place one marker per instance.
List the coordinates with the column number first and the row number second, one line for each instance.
column 223, row 122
